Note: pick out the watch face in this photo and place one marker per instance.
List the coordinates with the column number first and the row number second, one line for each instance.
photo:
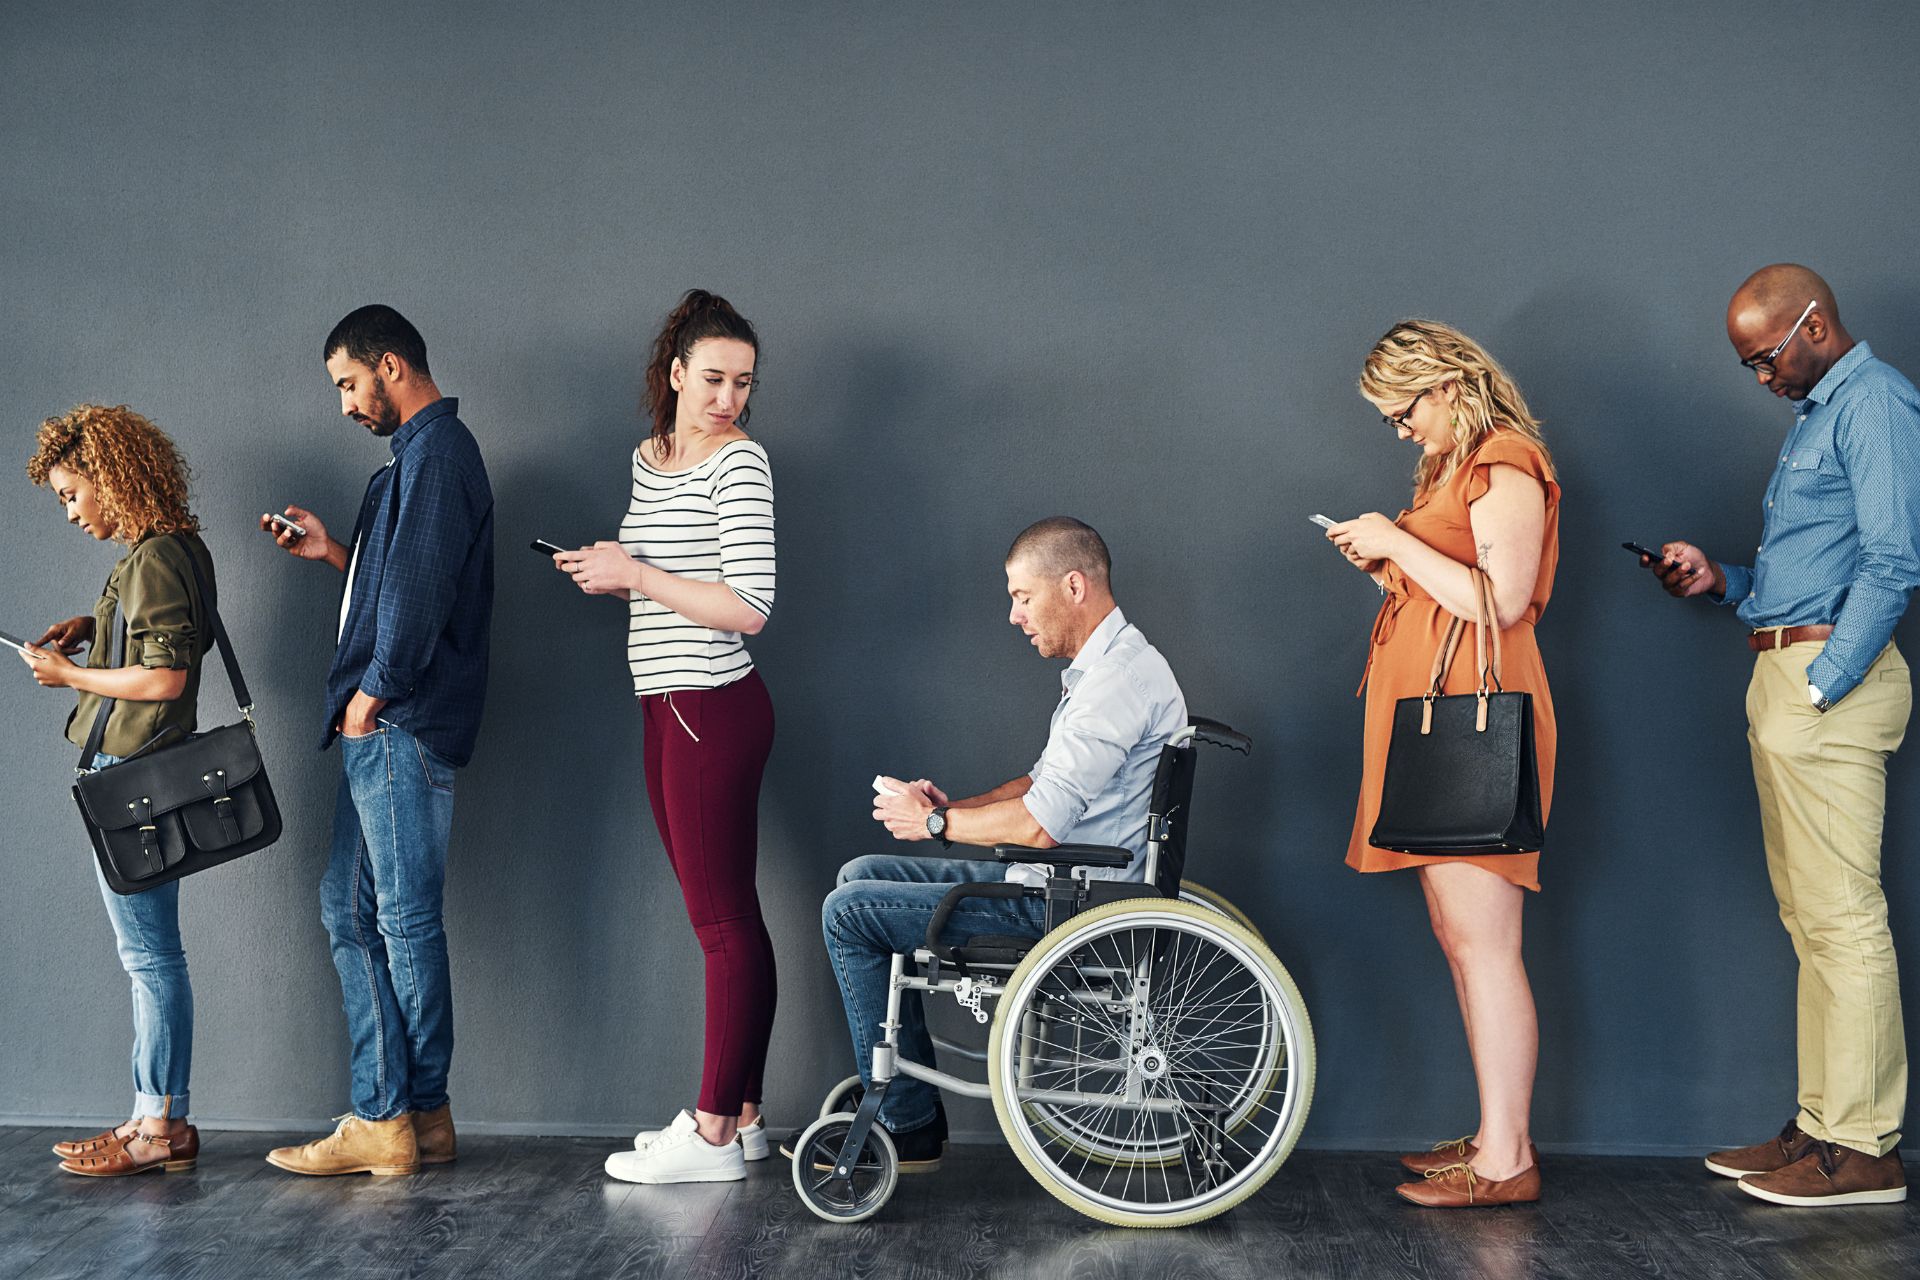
column 937, row 823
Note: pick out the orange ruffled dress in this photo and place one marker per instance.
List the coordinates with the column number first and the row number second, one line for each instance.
column 1408, row 632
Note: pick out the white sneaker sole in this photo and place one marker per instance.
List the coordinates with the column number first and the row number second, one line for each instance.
column 691, row 1175
column 1892, row 1195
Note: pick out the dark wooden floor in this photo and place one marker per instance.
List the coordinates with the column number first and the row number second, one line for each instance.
column 542, row 1207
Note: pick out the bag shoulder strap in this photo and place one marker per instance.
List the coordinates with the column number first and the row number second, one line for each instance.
column 1486, row 640
column 98, row 733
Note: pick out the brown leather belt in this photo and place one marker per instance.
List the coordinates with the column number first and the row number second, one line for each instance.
column 1781, row 637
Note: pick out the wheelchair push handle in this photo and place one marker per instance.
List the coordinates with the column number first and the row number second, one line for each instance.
column 1212, row 732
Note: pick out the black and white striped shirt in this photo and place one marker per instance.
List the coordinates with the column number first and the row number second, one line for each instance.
column 712, row 523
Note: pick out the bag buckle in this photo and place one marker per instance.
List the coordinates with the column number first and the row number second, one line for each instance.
column 246, row 713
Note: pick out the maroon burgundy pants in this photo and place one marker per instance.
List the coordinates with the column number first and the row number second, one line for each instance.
column 705, row 752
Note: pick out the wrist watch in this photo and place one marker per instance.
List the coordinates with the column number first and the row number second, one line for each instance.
column 937, row 825
column 1820, row 701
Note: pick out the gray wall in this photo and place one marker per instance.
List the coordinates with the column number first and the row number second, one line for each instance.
column 1008, row 260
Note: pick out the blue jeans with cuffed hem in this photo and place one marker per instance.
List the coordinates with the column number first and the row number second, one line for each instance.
column 381, row 903
column 146, row 929
column 882, row 905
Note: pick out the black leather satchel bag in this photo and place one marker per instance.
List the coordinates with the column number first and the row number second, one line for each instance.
column 169, row 811
column 1461, row 775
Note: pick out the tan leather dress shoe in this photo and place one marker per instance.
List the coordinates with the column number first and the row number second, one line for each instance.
column 379, row 1147
column 433, row 1134
column 98, row 1145
column 1457, row 1186
column 1442, row 1155
column 142, row 1153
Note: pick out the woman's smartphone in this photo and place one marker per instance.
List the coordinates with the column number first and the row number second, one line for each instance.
column 281, row 522
column 1323, row 521
column 16, row 643
column 546, row 548
column 1655, row 556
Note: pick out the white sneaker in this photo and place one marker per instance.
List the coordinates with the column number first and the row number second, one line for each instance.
column 753, row 1139
column 679, row 1154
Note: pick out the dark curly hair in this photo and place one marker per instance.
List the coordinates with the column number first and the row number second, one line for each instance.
column 139, row 473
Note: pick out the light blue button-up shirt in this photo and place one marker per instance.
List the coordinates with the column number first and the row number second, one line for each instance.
column 1119, row 705
column 1840, row 535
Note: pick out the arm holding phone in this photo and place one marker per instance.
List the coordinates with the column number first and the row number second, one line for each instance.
column 1685, row 572
column 313, row 544
column 606, row 569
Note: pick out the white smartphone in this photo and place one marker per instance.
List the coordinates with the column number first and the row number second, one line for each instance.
column 1322, row 521
column 281, row 522
column 15, row 643
column 884, row 786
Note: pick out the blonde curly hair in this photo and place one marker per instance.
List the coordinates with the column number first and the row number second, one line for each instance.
column 137, row 471
column 1421, row 355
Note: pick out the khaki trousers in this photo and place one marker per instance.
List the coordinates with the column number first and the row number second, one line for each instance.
column 1822, row 780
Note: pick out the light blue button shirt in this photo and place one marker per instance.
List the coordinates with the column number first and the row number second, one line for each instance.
column 1119, row 705
column 1840, row 534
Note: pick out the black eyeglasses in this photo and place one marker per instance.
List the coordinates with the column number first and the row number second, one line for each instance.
column 1764, row 364
column 1399, row 420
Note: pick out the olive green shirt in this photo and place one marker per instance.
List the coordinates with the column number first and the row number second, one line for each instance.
column 166, row 624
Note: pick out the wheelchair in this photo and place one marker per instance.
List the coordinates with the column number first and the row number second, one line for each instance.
column 1149, row 1060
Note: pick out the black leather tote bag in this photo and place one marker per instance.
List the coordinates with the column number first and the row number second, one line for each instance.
column 169, row 811
column 1461, row 775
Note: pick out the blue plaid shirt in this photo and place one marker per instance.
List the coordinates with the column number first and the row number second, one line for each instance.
column 1840, row 535
column 415, row 630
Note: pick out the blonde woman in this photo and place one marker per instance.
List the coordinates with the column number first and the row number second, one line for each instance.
column 1484, row 494
column 119, row 478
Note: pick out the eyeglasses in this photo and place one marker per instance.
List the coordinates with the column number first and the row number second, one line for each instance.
column 1399, row 420
column 1764, row 364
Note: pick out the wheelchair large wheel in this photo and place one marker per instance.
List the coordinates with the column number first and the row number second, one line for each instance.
column 875, row 1173
column 1200, row 895
column 1151, row 1065
column 844, row 1096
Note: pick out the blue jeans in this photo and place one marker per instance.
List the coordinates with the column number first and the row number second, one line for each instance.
column 882, row 905
column 146, row 927
column 381, row 903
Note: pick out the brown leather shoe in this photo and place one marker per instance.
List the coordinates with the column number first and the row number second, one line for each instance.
column 433, row 1134
column 379, row 1147
column 1830, row 1174
column 142, row 1153
column 1761, row 1157
column 99, row 1144
column 1457, row 1186
column 1442, row 1155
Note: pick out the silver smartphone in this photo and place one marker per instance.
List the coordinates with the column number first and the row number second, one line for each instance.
column 15, row 643
column 281, row 522
column 1322, row 521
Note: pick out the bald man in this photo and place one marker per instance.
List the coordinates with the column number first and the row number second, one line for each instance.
column 1119, row 704
column 1839, row 555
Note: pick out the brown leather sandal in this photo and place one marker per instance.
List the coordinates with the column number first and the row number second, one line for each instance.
column 98, row 1145
column 177, row 1155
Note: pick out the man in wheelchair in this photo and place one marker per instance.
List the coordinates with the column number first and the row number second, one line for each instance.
column 1119, row 705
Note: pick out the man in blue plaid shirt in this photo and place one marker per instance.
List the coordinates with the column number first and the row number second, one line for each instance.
column 404, row 698
column 1839, row 556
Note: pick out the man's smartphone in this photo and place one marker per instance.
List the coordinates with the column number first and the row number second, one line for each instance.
column 1655, row 556
column 15, row 643
column 281, row 522
column 546, row 548
column 1322, row 521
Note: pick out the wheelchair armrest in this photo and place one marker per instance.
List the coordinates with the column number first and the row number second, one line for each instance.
column 1079, row 855
column 1220, row 735
column 960, row 893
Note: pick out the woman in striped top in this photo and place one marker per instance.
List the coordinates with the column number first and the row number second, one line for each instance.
column 695, row 563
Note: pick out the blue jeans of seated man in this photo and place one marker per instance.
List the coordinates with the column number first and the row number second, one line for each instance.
column 882, row 905
column 146, row 928
column 381, row 903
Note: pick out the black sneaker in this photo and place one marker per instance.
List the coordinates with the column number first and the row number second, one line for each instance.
column 920, row 1149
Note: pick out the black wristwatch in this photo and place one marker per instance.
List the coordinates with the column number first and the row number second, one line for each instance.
column 937, row 825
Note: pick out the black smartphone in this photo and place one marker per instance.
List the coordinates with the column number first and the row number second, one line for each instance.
column 1655, row 556
column 545, row 548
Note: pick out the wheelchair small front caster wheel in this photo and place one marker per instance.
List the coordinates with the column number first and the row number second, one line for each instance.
column 844, row 1096
column 875, row 1171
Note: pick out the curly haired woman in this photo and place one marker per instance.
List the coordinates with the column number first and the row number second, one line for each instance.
column 119, row 478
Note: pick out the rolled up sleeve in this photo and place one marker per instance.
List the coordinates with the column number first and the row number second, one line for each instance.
column 157, row 609
column 1104, row 717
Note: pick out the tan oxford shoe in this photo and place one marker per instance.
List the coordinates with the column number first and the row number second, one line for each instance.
column 433, row 1134
column 379, row 1147
column 1458, row 1187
